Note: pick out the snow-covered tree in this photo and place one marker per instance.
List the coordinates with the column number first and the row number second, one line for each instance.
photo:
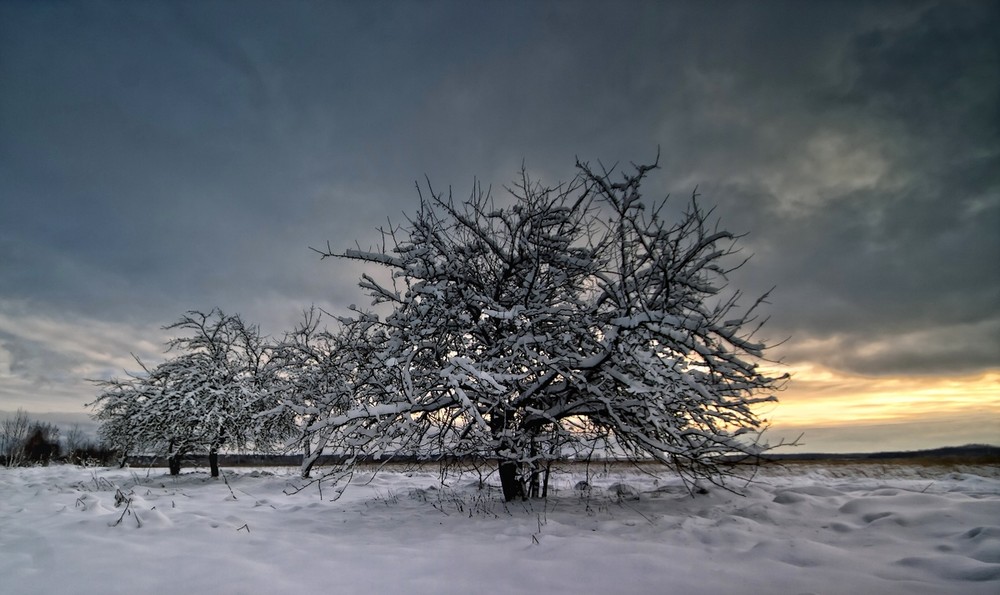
column 325, row 373
column 578, row 313
column 208, row 397
column 310, row 382
column 124, row 409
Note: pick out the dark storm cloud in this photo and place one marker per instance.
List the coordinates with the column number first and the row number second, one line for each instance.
column 145, row 156
column 158, row 157
column 898, row 271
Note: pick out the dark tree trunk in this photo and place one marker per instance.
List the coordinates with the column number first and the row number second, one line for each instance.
column 310, row 455
column 174, row 460
column 308, row 458
column 307, row 464
column 545, row 482
column 534, row 487
column 511, row 485
column 213, row 462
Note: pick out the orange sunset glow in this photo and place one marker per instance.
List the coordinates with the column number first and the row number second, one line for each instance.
column 818, row 397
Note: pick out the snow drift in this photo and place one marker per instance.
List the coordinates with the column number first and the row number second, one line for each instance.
column 800, row 529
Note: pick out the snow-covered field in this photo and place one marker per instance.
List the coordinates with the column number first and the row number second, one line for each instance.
column 801, row 529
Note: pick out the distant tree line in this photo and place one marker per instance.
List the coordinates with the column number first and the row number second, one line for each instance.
column 26, row 442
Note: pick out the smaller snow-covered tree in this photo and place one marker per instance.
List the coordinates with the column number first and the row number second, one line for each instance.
column 124, row 410
column 208, row 397
column 306, row 378
column 324, row 373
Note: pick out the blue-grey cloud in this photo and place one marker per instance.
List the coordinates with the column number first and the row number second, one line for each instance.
column 160, row 156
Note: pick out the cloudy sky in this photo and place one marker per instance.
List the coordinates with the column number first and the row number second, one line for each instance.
column 160, row 157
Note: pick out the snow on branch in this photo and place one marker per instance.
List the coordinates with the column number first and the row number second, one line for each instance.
column 579, row 313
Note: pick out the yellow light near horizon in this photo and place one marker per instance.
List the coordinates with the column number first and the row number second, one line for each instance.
column 822, row 397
